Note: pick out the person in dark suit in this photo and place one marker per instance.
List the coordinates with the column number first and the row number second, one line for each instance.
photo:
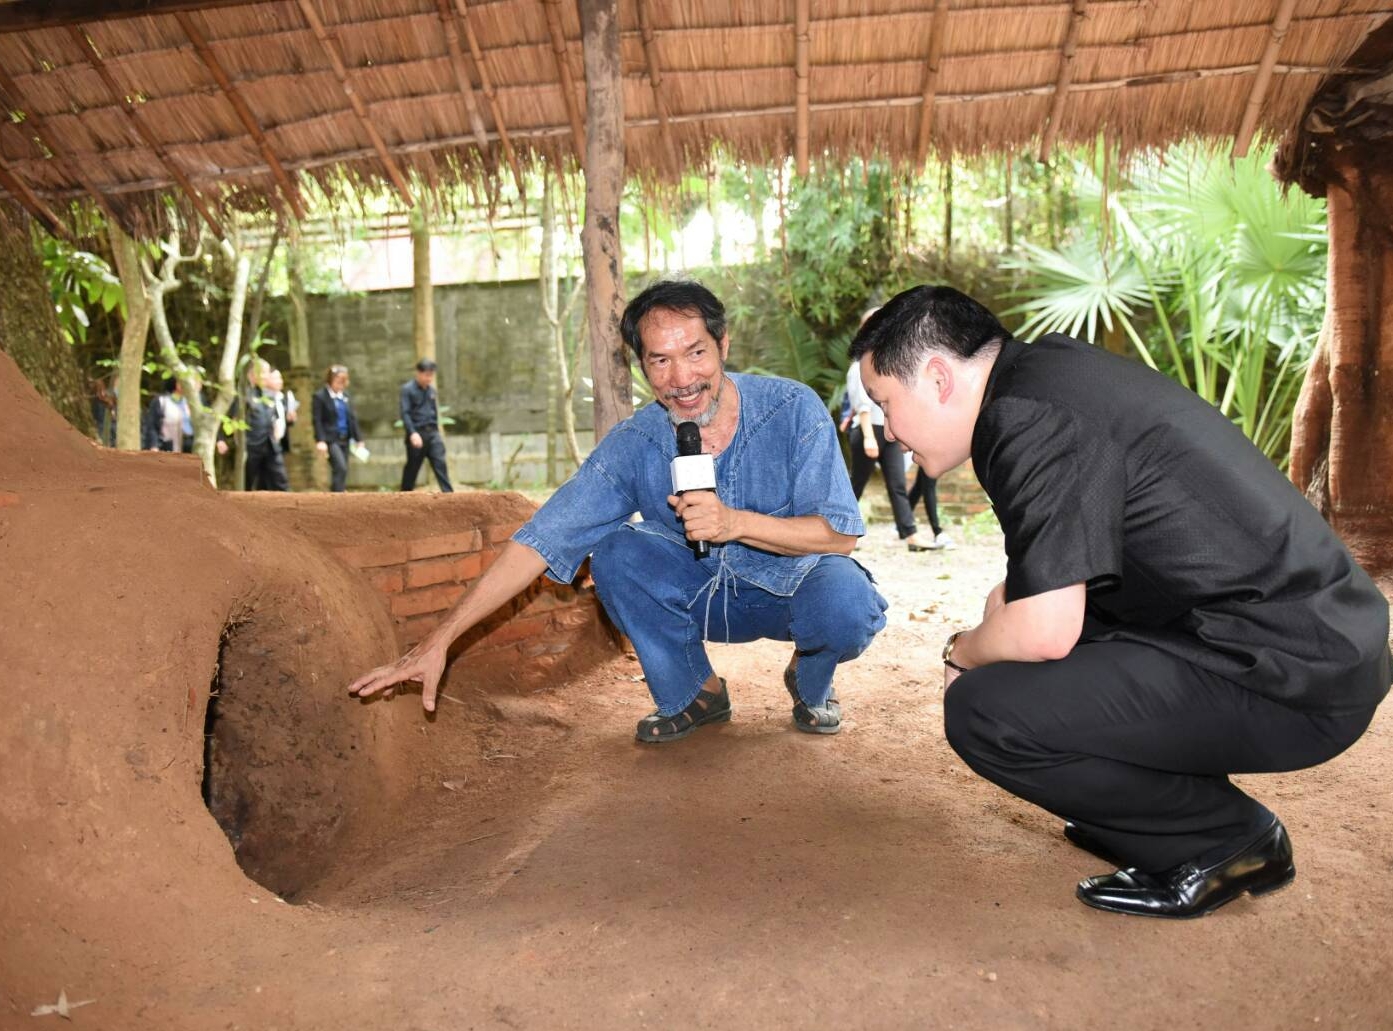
column 1174, row 611
column 335, row 425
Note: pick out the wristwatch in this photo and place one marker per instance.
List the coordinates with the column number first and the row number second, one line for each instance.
column 948, row 651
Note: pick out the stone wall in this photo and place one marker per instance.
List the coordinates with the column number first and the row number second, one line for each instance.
column 493, row 345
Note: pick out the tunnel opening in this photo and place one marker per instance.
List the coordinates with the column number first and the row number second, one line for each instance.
column 283, row 769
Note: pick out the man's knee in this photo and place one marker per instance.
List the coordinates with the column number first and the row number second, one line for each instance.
column 837, row 608
column 618, row 560
column 983, row 714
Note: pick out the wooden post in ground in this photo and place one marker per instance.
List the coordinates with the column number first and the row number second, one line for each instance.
column 1342, row 432
column 604, row 183
column 423, row 291
column 134, row 332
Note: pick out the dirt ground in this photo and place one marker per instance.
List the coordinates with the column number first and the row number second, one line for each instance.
column 518, row 862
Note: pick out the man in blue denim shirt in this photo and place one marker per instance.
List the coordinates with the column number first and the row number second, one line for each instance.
column 781, row 523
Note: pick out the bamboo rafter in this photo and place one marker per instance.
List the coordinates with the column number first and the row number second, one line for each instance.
column 466, row 88
column 32, row 202
column 563, row 68
column 926, row 113
column 802, row 15
column 1066, row 77
column 243, row 112
column 39, row 127
column 1281, row 21
column 476, row 54
column 655, row 77
column 331, row 49
column 544, row 132
column 89, row 50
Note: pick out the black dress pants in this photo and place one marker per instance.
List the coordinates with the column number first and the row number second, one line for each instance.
column 338, row 465
column 891, row 468
column 1135, row 746
column 926, row 487
column 266, row 468
column 432, row 447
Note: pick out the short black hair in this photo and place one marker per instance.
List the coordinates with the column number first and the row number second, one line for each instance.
column 900, row 335
column 686, row 296
column 426, row 365
column 170, row 383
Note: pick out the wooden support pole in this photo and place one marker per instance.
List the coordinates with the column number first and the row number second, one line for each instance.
column 243, row 112
column 563, row 69
column 655, row 78
column 360, row 111
column 35, row 205
column 89, row 51
column 423, row 286
column 476, row 53
column 466, row 88
column 1281, row 21
column 1065, row 78
column 604, row 184
column 937, row 32
column 802, row 16
column 35, row 123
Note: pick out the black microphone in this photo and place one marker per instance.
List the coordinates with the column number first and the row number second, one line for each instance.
column 692, row 470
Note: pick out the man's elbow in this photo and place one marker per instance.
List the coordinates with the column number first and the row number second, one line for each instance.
column 842, row 544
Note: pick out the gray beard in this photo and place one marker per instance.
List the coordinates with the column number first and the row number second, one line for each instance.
column 704, row 419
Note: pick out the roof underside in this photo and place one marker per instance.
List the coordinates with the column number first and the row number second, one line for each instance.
column 226, row 98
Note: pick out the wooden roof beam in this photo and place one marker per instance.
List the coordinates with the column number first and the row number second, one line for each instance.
column 35, row 124
column 655, row 78
column 1065, row 79
column 937, row 32
column 360, row 111
column 802, row 16
column 244, row 113
column 563, row 69
column 476, row 54
column 200, row 204
column 1281, row 21
column 24, row 15
column 21, row 192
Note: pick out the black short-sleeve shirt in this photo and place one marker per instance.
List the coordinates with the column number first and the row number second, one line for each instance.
column 1107, row 473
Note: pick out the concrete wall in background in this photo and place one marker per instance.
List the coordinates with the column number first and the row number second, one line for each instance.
column 493, row 345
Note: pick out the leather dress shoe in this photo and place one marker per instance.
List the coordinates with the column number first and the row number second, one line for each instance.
column 1080, row 838
column 1262, row 865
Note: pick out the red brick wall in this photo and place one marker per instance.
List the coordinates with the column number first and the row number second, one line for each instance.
column 422, row 551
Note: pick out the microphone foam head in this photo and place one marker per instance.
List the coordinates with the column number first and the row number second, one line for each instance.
column 688, row 438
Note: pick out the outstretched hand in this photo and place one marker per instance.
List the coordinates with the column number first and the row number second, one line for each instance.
column 425, row 665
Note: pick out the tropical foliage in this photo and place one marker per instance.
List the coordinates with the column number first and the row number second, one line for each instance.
column 1200, row 266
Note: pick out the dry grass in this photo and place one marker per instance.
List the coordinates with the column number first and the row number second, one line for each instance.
column 1146, row 72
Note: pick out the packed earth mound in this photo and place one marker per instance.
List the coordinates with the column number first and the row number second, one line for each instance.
column 199, row 829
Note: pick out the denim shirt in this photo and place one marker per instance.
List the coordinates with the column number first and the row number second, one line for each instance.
column 784, row 461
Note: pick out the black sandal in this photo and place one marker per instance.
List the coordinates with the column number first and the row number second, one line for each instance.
column 825, row 719
column 706, row 707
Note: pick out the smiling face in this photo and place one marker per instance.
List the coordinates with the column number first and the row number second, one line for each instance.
column 934, row 415
column 684, row 364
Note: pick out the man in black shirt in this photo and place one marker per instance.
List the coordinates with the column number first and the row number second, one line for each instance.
column 1174, row 611
column 420, row 417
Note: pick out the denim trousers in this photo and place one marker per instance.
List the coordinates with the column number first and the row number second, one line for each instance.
column 669, row 604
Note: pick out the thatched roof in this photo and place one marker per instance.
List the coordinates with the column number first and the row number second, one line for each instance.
column 228, row 102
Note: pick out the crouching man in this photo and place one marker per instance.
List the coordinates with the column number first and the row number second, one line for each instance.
column 780, row 525
column 1174, row 611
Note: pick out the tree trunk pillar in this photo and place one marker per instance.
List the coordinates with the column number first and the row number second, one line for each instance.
column 1342, row 433
column 29, row 330
column 134, row 333
column 423, row 292
column 604, row 183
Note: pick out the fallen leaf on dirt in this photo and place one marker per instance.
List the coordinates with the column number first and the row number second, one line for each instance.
column 454, row 785
column 62, row 1007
